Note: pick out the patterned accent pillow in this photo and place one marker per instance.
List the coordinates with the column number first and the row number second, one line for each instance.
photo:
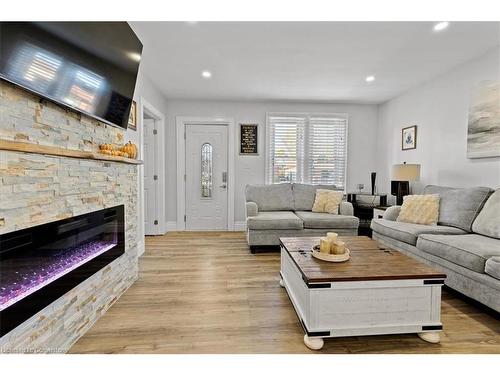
column 327, row 201
column 420, row 209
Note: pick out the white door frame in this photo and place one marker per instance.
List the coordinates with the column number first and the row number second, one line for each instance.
column 146, row 107
column 181, row 122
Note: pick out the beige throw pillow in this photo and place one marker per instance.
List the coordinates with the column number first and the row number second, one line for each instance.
column 327, row 201
column 420, row 209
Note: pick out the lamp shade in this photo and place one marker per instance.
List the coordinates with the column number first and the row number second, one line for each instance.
column 406, row 172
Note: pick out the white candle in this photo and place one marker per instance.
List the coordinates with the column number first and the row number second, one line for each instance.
column 332, row 236
column 324, row 245
column 338, row 248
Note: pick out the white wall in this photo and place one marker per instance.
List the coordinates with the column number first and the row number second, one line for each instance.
column 145, row 89
column 439, row 108
column 250, row 169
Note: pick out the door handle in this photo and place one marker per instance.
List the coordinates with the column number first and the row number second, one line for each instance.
column 224, row 180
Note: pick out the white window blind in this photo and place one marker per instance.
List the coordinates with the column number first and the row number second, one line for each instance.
column 306, row 148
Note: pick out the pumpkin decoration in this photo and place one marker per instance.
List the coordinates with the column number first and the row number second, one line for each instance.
column 130, row 149
column 107, row 147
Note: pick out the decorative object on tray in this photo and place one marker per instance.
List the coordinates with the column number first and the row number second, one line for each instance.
column 409, row 138
column 331, row 249
column 360, row 187
column 132, row 118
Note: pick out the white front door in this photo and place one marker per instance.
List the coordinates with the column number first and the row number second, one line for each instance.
column 206, row 177
column 150, row 183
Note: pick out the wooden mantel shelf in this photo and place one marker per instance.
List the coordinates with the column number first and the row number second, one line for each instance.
column 57, row 151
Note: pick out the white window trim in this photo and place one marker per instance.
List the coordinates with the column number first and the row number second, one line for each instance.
column 344, row 115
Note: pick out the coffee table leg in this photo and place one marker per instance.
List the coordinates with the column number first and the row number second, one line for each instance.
column 432, row 337
column 313, row 343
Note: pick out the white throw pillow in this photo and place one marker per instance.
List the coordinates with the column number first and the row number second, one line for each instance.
column 420, row 209
column 327, row 201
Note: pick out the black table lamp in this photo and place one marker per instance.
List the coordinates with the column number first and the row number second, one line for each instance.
column 402, row 174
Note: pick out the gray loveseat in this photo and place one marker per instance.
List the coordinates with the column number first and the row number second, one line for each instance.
column 465, row 244
column 284, row 210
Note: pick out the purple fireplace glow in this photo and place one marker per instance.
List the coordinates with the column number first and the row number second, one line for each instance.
column 40, row 264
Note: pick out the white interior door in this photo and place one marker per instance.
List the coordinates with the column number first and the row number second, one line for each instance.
column 150, row 182
column 206, row 177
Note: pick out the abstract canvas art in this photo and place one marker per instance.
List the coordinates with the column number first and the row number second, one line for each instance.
column 483, row 136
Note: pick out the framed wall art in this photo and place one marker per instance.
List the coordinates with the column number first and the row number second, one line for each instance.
column 409, row 138
column 249, row 139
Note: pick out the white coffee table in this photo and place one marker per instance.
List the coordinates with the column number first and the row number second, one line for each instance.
column 376, row 292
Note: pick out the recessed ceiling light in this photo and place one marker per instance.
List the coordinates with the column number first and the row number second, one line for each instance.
column 134, row 56
column 441, row 26
column 206, row 74
column 370, row 79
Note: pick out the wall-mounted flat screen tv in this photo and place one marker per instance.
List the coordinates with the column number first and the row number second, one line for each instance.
column 90, row 67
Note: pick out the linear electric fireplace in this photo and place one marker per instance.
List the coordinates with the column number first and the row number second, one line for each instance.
column 40, row 264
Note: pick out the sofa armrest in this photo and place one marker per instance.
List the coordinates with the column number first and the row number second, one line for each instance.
column 392, row 213
column 251, row 209
column 346, row 208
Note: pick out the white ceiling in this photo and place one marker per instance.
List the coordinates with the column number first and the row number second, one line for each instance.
column 305, row 61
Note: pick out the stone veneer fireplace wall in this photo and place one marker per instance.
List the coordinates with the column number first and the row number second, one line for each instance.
column 37, row 189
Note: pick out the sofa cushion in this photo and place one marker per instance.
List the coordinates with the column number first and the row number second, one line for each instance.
column 469, row 250
column 407, row 232
column 304, row 195
column 488, row 220
column 321, row 220
column 275, row 197
column 492, row 267
column 459, row 207
column 274, row 220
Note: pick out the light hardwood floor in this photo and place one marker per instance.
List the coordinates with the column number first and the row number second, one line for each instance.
column 205, row 293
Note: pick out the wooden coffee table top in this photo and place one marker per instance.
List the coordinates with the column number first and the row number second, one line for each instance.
column 368, row 262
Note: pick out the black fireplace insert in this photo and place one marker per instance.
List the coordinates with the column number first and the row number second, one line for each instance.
column 40, row 264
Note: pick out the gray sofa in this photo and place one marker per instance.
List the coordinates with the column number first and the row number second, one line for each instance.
column 284, row 210
column 465, row 244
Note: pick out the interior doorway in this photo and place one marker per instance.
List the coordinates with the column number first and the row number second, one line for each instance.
column 154, row 170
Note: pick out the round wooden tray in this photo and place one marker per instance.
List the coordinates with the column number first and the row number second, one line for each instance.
column 332, row 257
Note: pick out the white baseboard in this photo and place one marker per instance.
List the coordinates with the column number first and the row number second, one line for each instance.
column 171, row 226
column 240, row 226
column 141, row 247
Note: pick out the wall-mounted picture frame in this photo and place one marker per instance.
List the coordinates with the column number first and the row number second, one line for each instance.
column 249, row 139
column 132, row 118
column 409, row 138
column 483, row 131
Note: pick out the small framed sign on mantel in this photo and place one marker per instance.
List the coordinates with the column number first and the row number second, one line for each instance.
column 249, row 139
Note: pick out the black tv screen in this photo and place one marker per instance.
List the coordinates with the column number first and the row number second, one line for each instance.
column 88, row 66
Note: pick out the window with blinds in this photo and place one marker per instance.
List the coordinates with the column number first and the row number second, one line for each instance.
column 308, row 148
